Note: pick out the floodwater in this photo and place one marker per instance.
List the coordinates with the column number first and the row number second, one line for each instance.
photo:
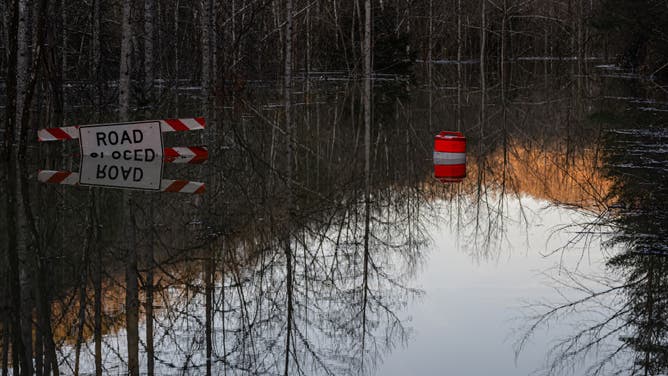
column 331, row 247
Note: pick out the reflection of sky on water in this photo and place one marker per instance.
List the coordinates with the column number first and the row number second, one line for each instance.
column 466, row 323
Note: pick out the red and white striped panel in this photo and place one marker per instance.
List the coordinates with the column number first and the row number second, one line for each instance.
column 179, row 125
column 55, row 134
column 58, row 177
column 193, row 154
column 166, row 185
column 166, row 125
column 183, row 186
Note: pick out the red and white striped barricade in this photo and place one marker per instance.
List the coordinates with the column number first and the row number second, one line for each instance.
column 127, row 155
column 135, row 139
column 166, row 125
column 186, row 154
column 166, row 185
column 450, row 157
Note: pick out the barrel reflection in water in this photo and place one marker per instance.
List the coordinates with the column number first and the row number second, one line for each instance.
column 450, row 157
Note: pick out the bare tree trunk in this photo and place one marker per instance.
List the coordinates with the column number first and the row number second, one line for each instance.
column 83, row 278
column 22, row 62
column 483, row 33
column 150, row 352
column 11, row 83
column 502, row 58
column 5, row 11
column 207, row 34
column 5, row 342
column 209, row 269
column 176, row 57
column 131, row 289
column 287, row 92
column 580, row 36
column 14, row 252
column 125, row 67
column 56, row 47
column 287, row 89
column 367, row 160
column 459, row 65
column 97, row 325
column 96, row 55
column 149, row 20
column 430, row 48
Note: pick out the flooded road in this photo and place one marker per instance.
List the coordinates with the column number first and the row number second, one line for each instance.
column 336, row 247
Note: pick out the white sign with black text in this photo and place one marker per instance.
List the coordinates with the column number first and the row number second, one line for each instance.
column 121, row 173
column 140, row 141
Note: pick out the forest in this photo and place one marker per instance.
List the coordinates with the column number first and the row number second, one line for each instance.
column 124, row 57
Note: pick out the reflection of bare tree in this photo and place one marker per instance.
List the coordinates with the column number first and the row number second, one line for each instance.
column 626, row 325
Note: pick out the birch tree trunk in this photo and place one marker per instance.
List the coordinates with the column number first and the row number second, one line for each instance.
column 124, row 79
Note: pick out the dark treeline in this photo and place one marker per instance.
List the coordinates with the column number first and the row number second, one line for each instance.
column 125, row 54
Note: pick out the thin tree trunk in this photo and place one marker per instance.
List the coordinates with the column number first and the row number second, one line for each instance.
column 131, row 289
column 97, row 286
column 430, row 48
column 367, row 161
column 83, row 278
column 207, row 33
column 149, row 20
column 150, row 352
column 287, row 92
column 5, row 343
column 502, row 58
column 42, row 301
column 14, row 252
column 96, row 55
column 125, row 65
column 483, row 33
column 22, row 62
column 11, row 83
column 176, row 58
column 459, row 65
column 5, row 10
column 209, row 268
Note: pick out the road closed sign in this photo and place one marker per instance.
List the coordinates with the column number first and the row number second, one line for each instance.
column 121, row 173
column 126, row 155
column 136, row 142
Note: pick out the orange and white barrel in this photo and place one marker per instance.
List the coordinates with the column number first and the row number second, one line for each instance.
column 450, row 157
